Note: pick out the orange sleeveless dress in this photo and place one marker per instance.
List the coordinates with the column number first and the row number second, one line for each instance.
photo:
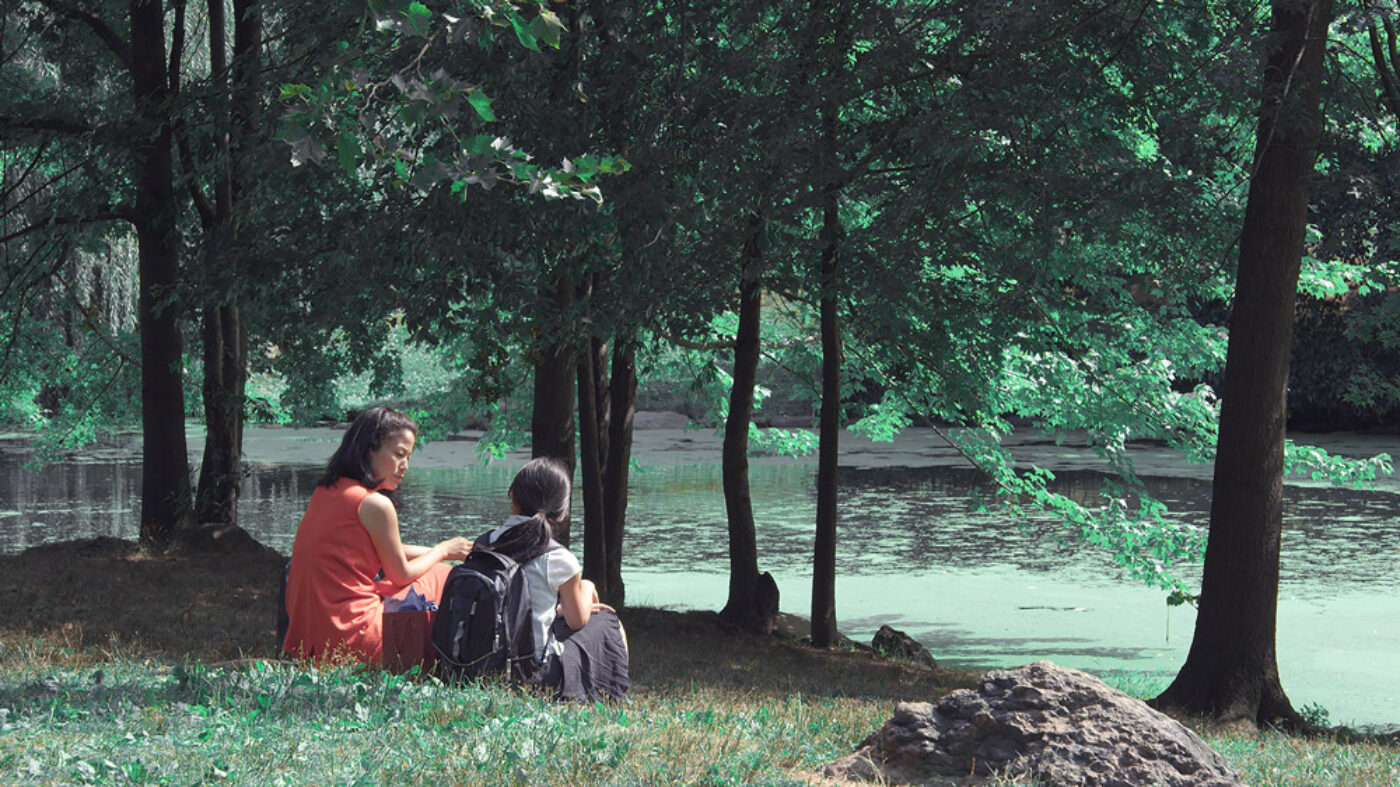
column 334, row 603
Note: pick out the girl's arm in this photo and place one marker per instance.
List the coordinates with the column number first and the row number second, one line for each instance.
column 579, row 598
column 380, row 519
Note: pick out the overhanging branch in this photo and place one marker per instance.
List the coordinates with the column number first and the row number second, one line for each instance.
column 60, row 125
column 99, row 28
column 118, row 213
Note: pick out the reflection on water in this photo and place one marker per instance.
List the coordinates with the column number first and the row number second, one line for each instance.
column 892, row 520
column 913, row 551
column 65, row 501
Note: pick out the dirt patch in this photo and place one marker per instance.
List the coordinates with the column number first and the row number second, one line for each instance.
column 103, row 597
column 106, row 593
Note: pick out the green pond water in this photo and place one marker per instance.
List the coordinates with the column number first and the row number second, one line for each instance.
column 976, row 588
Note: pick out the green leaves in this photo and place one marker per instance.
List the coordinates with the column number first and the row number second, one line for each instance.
column 482, row 104
column 291, row 92
column 546, row 27
column 347, row 149
column 390, row 117
column 418, row 18
column 523, row 34
column 1319, row 465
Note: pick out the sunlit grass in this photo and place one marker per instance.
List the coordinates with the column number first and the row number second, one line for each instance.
column 272, row 723
column 1273, row 759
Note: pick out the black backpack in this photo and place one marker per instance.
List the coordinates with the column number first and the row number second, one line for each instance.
column 484, row 625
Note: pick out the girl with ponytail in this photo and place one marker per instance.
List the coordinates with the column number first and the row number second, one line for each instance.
column 579, row 641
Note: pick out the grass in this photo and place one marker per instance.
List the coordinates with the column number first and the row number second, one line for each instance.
column 118, row 667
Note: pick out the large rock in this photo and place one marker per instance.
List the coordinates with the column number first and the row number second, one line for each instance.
column 892, row 643
column 1055, row 725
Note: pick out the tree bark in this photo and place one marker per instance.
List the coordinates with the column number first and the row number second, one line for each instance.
column 552, row 420
column 225, row 342
column 595, row 556
column 824, row 551
column 225, row 380
column 602, row 399
column 623, row 399
column 1231, row 671
column 165, row 481
column 752, row 601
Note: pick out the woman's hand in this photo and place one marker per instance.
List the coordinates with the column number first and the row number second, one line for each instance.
column 456, row 548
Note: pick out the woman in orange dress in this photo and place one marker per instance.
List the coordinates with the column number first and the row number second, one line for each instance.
column 348, row 556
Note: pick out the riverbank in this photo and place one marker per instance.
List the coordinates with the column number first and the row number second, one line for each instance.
column 121, row 666
column 978, row 589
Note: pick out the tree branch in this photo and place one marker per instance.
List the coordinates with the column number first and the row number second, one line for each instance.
column 87, row 320
column 208, row 217
column 51, row 123
column 693, row 345
column 119, row 212
column 101, row 29
column 177, row 47
column 8, row 189
column 19, row 317
column 1378, row 59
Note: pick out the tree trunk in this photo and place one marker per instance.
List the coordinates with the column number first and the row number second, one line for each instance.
column 623, row 399
column 824, row 552
column 602, row 400
column 752, row 600
column 225, row 345
column 225, row 355
column 1231, row 672
column 552, row 421
column 165, row 480
column 595, row 556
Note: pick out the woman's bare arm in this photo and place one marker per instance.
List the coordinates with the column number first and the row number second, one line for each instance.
column 380, row 519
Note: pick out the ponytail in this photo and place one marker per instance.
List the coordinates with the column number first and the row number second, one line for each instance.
column 541, row 491
column 526, row 541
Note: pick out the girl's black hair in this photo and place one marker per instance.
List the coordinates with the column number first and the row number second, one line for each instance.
column 541, row 491
column 366, row 434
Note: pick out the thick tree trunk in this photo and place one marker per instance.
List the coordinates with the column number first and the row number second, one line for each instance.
column 595, row 556
column 165, row 481
column 552, row 420
column 1231, row 672
column 753, row 602
column 824, row 552
column 623, row 400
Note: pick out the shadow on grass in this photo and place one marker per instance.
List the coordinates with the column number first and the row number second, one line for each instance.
column 85, row 602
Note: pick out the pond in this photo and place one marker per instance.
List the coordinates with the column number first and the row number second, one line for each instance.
column 977, row 589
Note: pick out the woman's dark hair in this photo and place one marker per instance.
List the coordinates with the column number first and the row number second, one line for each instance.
column 541, row 491
column 366, row 434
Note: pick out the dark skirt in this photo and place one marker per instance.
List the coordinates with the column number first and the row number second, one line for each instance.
column 593, row 665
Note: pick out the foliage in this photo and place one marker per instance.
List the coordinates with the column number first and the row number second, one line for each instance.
column 1038, row 207
column 392, row 108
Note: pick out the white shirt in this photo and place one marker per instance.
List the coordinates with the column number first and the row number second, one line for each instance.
column 544, row 574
